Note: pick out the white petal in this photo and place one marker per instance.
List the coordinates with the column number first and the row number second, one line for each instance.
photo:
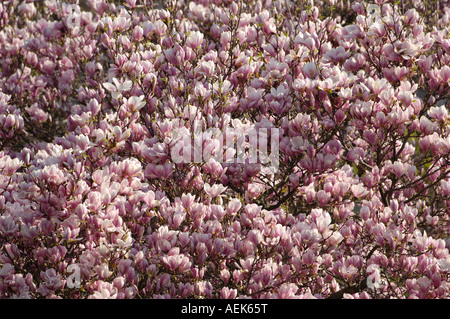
column 126, row 86
column 110, row 87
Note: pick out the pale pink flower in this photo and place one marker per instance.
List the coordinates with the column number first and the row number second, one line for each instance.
column 376, row 29
column 287, row 291
column 194, row 39
column 178, row 263
column 135, row 103
column 225, row 38
column 306, row 40
column 345, row 93
column 130, row 4
column 187, row 200
column 10, row 165
column 310, row 70
column 126, row 241
column 408, row 49
column 336, row 55
column 444, row 264
column 51, row 279
column 323, row 197
column 53, row 175
column 340, row 188
column 117, row 88
column 352, row 32
column 439, row 113
column 445, row 186
column 359, row 190
column 374, row 279
column 214, row 190
column 27, row 10
column 280, row 92
column 207, row 68
column 427, row 126
column 299, row 144
column 411, row 17
column 121, row 23
column 228, row 293
column 233, row 206
column 8, row 226
column 424, row 283
column 105, row 290
column 348, row 271
column 138, row 33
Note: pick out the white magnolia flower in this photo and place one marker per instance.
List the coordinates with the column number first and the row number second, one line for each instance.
column 117, row 88
column 126, row 241
column 135, row 103
column 373, row 280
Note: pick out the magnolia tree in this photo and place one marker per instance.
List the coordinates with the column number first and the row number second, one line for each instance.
column 224, row 149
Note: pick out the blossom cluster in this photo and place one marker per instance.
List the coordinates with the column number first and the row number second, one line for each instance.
column 93, row 97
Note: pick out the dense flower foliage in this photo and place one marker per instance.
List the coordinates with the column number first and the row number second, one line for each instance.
column 93, row 97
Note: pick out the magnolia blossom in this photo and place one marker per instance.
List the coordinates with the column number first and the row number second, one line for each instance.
column 194, row 39
column 115, row 121
column 439, row 113
column 117, row 88
column 53, row 174
column 408, row 49
column 310, row 70
column 28, row 10
column 135, row 103
column 214, row 190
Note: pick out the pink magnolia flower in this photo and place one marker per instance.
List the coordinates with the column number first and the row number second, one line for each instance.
column 280, row 92
column 359, row 190
column 194, row 39
column 178, row 263
column 10, row 166
column 121, row 23
column 427, row 126
column 27, row 10
column 213, row 167
column 439, row 113
column 207, row 68
column 138, row 33
column 305, row 39
column 424, row 283
column 310, row 70
column 233, row 206
column 228, row 293
column 299, row 144
column 444, row 264
column 8, row 226
column 53, row 175
column 159, row 171
column 323, row 197
column 411, row 17
column 130, row 4
column 337, row 55
column 187, row 200
column 340, row 188
column 214, row 190
column 225, row 38
column 51, row 281
column 105, row 290
column 408, row 49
